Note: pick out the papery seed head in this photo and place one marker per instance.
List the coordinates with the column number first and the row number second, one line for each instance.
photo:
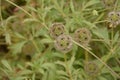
column 91, row 68
column 114, row 18
column 56, row 29
column 108, row 3
column 63, row 43
column 82, row 36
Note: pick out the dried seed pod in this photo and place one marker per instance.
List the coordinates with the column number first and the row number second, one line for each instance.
column 82, row 36
column 63, row 43
column 28, row 48
column 91, row 68
column 56, row 29
column 109, row 3
column 114, row 18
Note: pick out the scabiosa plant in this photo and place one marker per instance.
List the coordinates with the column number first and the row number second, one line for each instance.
column 108, row 3
column 82, row 36
column 56, row 29
column 114, row 18
column 91, row 68
column 63, row 43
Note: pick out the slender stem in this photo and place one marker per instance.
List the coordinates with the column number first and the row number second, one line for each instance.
column 116, row 3
column 86, row 56
column 102, row 40
column 19, row 8
column 24, row 11
column 45, row 26
column 112, row 71
column 97, row 22
column 59, row 8
column 1, row 11
column 118, row 60
column 36, row 46
column 112, row 48
column 67, row 68
column 112, row 36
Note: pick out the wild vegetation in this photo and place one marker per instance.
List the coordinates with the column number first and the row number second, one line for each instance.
column 59, row 39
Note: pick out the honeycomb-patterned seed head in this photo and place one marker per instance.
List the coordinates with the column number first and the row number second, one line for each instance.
column 82, row 36
column 91, row 68
column 63, row 43
column 56, row 29
column 114, row 18
column 108, row 3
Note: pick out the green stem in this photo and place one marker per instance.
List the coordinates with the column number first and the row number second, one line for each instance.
column 111, row 50
column 111, row 71
column 36, row 46
column 1, row 11
column 97, row 22
column 115, row 7
column 67, row 68
column 86, row 56
column 112, row 37
column 105, row 60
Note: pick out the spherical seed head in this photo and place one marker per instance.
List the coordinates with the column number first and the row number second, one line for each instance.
column 109, row 3
column 114, row 18
column 56, row 29
column 91, row 68
column 82, row 36
column 63, row 43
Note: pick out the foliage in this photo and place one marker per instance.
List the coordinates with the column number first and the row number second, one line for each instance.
column 59, row 40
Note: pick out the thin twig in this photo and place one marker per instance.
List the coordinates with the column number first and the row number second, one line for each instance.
column 19, row 7
column 112, row 72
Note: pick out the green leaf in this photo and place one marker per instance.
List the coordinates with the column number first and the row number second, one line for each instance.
column 33, row 77
column 18, row 78
column 19, row 35
column 102, row 78
column 117, row 69
column 24, row 72
column 61, row 63
column 46, row 40
column 61, row 72
column 16, row 48
column 7, row 65
column 8, row 38
column 116, row 37
column 71, row 62
column 102, row 33
column 72, row 5
column 91, row 2
column 9, row 19
column 30, row 20
column 90, row 25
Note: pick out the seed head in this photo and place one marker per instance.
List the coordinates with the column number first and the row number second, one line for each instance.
column 109, row 3
column 82, row 36
column 56, row 29
column 91, row 68
column 63, row 43
column 114, row 18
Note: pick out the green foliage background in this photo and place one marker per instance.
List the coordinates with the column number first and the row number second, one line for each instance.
column 27, row 51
